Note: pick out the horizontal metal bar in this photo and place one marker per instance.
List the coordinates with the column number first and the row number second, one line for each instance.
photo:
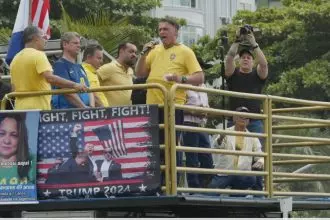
column 299, row 119
column 162, row 167
column 163, row 188
column 283, row 162
column 218, row 151
column 222, row 191
column 161, row 126
column 309, row 194
column 302, row 175
column 162, row 146
column 220, row 171
column 299, row 126
column 299, row 156
column 99, row 89
column 301, row 138
column 218, row 131
column 298, row 101
column 220, row 92
column 219, row 112
column 288, row 180
column 300, row 144
column 300, row 109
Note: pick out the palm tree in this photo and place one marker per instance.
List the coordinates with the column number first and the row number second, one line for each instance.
column 106, row 29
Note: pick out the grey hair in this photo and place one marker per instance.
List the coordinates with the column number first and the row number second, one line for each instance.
column 29, row 32
column 67, row 36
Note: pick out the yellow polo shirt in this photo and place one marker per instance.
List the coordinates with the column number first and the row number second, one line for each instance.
column 94, row 82
column 26, row 75
column 114, row 74
column 178, row 59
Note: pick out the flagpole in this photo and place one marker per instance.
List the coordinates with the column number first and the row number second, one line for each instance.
column 30, row 12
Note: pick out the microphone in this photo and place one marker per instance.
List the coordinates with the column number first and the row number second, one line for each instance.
column 147, row 49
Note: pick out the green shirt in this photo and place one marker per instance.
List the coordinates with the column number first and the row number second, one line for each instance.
column 9, row 175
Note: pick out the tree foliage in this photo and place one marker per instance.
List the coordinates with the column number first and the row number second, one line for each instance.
column 295, row 41
column 107, row 31
column 79, row 8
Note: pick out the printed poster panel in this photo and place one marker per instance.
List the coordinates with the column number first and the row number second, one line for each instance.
column 95, row 153
column 18, row 151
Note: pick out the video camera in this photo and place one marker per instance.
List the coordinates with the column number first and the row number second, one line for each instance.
column 246, row 29
column 243, row 32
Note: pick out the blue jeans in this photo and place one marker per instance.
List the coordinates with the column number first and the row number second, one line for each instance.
column 255, row 126
column 233, row 181
column 202, row 160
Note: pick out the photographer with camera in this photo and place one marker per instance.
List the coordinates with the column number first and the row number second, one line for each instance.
column 246, row 78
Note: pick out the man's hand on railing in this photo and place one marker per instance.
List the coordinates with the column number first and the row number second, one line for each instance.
column 259, row 165
column 80, row 87
column 218, row 142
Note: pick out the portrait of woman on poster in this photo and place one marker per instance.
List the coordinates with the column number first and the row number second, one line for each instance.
column 15, row 160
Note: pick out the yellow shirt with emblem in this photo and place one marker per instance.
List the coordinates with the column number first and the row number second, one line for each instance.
column 114, row 74
column 26, row 75
column 179, row 59
column 94, row 82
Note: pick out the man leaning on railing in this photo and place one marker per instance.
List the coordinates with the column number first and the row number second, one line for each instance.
column 31, row 71
column 233, row 162
column 68, row 68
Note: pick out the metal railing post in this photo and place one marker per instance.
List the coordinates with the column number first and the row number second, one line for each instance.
column 172, row 138
column 270, row 148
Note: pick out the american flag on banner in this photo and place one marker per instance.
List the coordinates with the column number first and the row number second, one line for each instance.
column 112, row 138
column 132, row 148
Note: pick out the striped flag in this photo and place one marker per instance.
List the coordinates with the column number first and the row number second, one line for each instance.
column 39, row 17
column 112, row 138
column 54, row 138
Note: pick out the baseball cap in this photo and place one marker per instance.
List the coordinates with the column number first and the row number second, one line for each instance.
column 245, row 51
column 242, row 109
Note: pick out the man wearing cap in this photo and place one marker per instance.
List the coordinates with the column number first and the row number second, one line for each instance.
column 245, row 78
column 236, row 162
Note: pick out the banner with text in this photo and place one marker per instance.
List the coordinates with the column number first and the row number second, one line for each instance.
column 18, row 150
column 98, row 153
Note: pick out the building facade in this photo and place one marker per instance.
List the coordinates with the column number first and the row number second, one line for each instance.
column 204, row 17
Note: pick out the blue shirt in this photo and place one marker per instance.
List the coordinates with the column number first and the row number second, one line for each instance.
column 73, row 72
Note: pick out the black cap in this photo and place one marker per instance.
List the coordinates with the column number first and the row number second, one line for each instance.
column 245, row 51
column 242, row 109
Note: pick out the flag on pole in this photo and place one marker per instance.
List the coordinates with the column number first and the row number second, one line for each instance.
column 112, row 138
column 39, row 17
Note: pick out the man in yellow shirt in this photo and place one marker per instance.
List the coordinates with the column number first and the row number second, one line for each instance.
column 119, row 72
column 93, row 59
column 168, row 63
column 31, row 71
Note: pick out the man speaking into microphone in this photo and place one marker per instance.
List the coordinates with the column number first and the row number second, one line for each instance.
column 168, row 63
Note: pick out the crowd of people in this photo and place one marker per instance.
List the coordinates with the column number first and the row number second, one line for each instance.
column 167, row 63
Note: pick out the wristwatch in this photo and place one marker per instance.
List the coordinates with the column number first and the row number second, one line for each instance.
column 184, row 79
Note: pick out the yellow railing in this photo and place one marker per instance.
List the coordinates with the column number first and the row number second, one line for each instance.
column 268, row 116
column 216, row 112
column 272, row 140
